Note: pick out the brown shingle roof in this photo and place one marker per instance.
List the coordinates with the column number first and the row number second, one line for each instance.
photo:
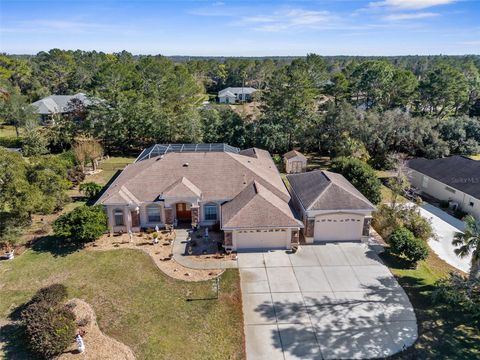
column 294, row 153
column 217, row 175
column 256, row 206
column 325, row 190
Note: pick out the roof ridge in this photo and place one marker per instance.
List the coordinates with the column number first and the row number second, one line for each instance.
column 349, row 190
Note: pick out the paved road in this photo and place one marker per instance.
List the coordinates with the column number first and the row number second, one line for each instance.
column 324, row 302
column 445, row 226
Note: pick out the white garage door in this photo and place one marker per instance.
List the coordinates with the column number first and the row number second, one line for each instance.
column 262, row 239
column 338, row 227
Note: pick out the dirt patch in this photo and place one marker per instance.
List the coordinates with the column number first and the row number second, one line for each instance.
column 161, row 254
column 97, row 344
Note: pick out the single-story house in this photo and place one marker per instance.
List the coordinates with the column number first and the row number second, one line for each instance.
column 295, row 162
column 205, row 185
column 58, row 104
column 232, row 95
column 455, row 179
column 330, row 207
column 239, row 191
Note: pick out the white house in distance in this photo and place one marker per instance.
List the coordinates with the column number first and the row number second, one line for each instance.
column 58, row 104
column 232, row 95
column 455, row 179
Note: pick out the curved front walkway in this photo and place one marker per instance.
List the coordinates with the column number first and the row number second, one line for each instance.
column 324, row 302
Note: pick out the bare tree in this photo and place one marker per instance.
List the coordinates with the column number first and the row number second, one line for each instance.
column 87, row 150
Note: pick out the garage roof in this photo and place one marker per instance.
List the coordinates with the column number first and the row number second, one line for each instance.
column 325, row 190
column 257, row 207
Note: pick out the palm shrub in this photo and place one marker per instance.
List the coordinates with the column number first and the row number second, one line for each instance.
column 404, row 243
column 468, row 242
column 49, row 325
column 83, row 224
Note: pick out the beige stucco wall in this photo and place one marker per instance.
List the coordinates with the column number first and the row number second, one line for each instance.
column 439, row 191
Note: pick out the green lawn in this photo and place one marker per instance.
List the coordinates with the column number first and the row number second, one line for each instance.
column 442, row 334
column 110, row 167
column 475, row 157
column 8, row 136
column 135, row 302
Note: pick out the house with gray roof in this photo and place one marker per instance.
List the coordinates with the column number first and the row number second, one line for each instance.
column 330, row 207
column 58, row 104
column 455, row 179
column 232, row 95
column 239, row 191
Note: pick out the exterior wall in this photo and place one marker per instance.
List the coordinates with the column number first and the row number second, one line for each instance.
column 290, row 167
column 439, row 191
column 226, row 100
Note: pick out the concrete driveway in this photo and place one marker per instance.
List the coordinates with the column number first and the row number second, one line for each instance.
column 445, row 227
column 324, row 302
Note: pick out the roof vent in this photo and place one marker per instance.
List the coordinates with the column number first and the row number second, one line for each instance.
column 185, row 165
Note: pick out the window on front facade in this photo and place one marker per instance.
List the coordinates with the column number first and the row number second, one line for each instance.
column 210, row 212
column 153, row 213
column 118, row 215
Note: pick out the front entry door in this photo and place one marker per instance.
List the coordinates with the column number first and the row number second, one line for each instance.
column 184, row 212
column 135, row 218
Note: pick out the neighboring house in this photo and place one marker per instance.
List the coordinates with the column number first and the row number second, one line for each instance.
column 205, row 185
column 455, row 179
column 58, row 104
column 331, row 208
column 232, row 95
column 295, row 162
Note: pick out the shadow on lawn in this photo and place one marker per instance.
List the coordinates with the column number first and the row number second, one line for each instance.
column 56, row 246
column 12, row 340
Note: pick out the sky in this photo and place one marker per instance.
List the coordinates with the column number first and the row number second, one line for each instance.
column 243, row 27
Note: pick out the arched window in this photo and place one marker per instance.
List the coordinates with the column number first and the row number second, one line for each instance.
column 211, row 211
column 153, row 213
column 118, row 216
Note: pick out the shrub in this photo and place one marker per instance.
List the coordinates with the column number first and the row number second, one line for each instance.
column 49, row 326
column 404, row 243
column 83, row 224
column 53, row 294
column 387, row 218
column 443, row 204
column 361, row 175
column 91, row 189
column 458, row 293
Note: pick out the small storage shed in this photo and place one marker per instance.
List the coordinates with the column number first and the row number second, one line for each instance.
column 295, row 162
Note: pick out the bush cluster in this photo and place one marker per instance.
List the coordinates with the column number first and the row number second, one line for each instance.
column 83, row 224
column 459, row 294
column 404, row 243
column 49, row 325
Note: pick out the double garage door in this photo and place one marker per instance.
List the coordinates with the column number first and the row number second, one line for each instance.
column 262, row 239
column 338, row 227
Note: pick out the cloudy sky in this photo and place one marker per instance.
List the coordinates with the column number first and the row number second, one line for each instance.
column 243, row 27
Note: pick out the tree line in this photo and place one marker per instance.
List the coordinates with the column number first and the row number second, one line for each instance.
column 367, row 106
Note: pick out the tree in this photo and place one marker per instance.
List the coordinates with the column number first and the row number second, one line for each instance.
column 16, row 110
column 338, row 87
column 49, row 325
column 83, row 224
column 361, row 175
column 87, row 150
column 91, row 189
column 34, row 141
column 404, row 243
column 468, row 242
column 443, row 91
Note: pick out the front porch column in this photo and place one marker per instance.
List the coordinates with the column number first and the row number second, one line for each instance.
column 169, row 216
column 195, row 215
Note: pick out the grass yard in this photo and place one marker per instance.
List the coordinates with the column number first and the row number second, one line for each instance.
column 442, row 334
column 134, row 301
column 8, row 136
column 109, row 168
column 475, row 157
